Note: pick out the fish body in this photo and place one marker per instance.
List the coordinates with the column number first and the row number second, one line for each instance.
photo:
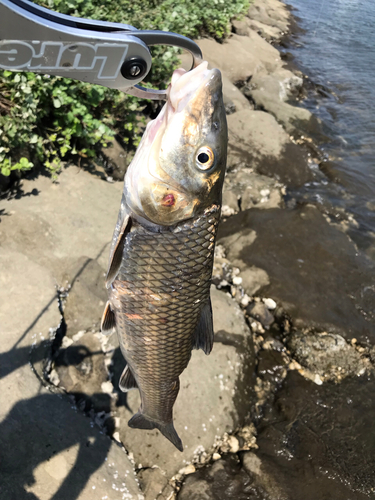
column 163, row 247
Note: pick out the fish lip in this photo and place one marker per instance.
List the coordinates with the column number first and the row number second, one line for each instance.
column 204, row 78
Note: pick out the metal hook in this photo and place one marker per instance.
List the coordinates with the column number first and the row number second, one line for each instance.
column 151, row 37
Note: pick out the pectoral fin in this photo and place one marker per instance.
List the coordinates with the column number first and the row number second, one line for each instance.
column 127, row 380
column 116, row 254
column 204, row 333
column 108, row 319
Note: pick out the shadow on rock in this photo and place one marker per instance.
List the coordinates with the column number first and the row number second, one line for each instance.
column 36, row 430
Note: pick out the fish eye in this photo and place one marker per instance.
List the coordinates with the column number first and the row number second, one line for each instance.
column 205, row 158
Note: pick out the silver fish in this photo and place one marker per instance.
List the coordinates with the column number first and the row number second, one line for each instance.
column 163, row 245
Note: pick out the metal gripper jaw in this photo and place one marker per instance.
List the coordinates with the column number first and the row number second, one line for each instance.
column 113, row 55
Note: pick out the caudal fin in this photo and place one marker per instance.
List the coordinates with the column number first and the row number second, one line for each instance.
column 140, row 421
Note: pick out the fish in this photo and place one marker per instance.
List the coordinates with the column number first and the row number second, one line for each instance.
column 162, row 252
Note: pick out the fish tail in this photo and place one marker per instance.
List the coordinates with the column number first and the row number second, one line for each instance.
column 140, row 421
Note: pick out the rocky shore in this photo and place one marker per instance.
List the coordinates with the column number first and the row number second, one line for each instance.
column 282, row 408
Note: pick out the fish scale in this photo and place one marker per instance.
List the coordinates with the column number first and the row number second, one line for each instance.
column 159, row 310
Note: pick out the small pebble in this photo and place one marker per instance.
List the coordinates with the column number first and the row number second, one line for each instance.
column 216, row 456
column 245, row 300
column 237, row 280
column 234, row 444
column 189, row 469
column 270, row 304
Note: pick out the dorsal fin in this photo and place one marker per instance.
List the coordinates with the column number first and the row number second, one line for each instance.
column 127, row 380
column 116, row 254
column 108, row 319
column 204, row 333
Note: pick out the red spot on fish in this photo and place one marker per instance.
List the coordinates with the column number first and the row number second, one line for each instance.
column 169, row 200
column 133, row 316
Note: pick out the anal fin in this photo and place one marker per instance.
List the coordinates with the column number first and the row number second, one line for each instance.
column 127, row 380
column 108, row 319
column 204, row 333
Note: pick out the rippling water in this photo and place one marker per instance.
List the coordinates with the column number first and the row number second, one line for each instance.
column 337, row 51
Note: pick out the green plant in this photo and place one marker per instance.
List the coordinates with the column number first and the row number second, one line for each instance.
column 53, row 118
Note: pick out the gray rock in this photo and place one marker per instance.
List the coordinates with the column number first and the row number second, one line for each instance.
column 87, row 297
column 243, row 188
column 271, row 13
column 233, row 97
column 222, row 271
column 222, row 481
column 81, row 370
column 327, row 354
column 259, row 311
column 253, row 278
column 271, row 366
column 240, row 27
column 116, row 158
column 298, row 251
column 321, row 433
column 241, row 57
column 47, row 448
column 215, row 395
column 271, row 90
column 261, row 479
column 256, row 140
column 152, row 482
column 269, row 33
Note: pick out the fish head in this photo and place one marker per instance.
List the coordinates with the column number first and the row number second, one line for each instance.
column 179, row 167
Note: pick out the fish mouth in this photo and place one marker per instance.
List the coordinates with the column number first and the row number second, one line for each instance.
column 183, row 87
column 185, row 84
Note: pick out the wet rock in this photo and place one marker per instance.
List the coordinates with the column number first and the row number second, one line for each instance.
column 261, row 479
column 243, row 189
column 305, row 258
column 325, row 434
column 223, row 480
column 260, row 312
column 215, row 396
column 81, row 371
column 256, row 140
column 271, row 366
column 116, row 160
column 87, row 296
column 327, row 354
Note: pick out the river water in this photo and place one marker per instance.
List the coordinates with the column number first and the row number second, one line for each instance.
column 337, row 51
